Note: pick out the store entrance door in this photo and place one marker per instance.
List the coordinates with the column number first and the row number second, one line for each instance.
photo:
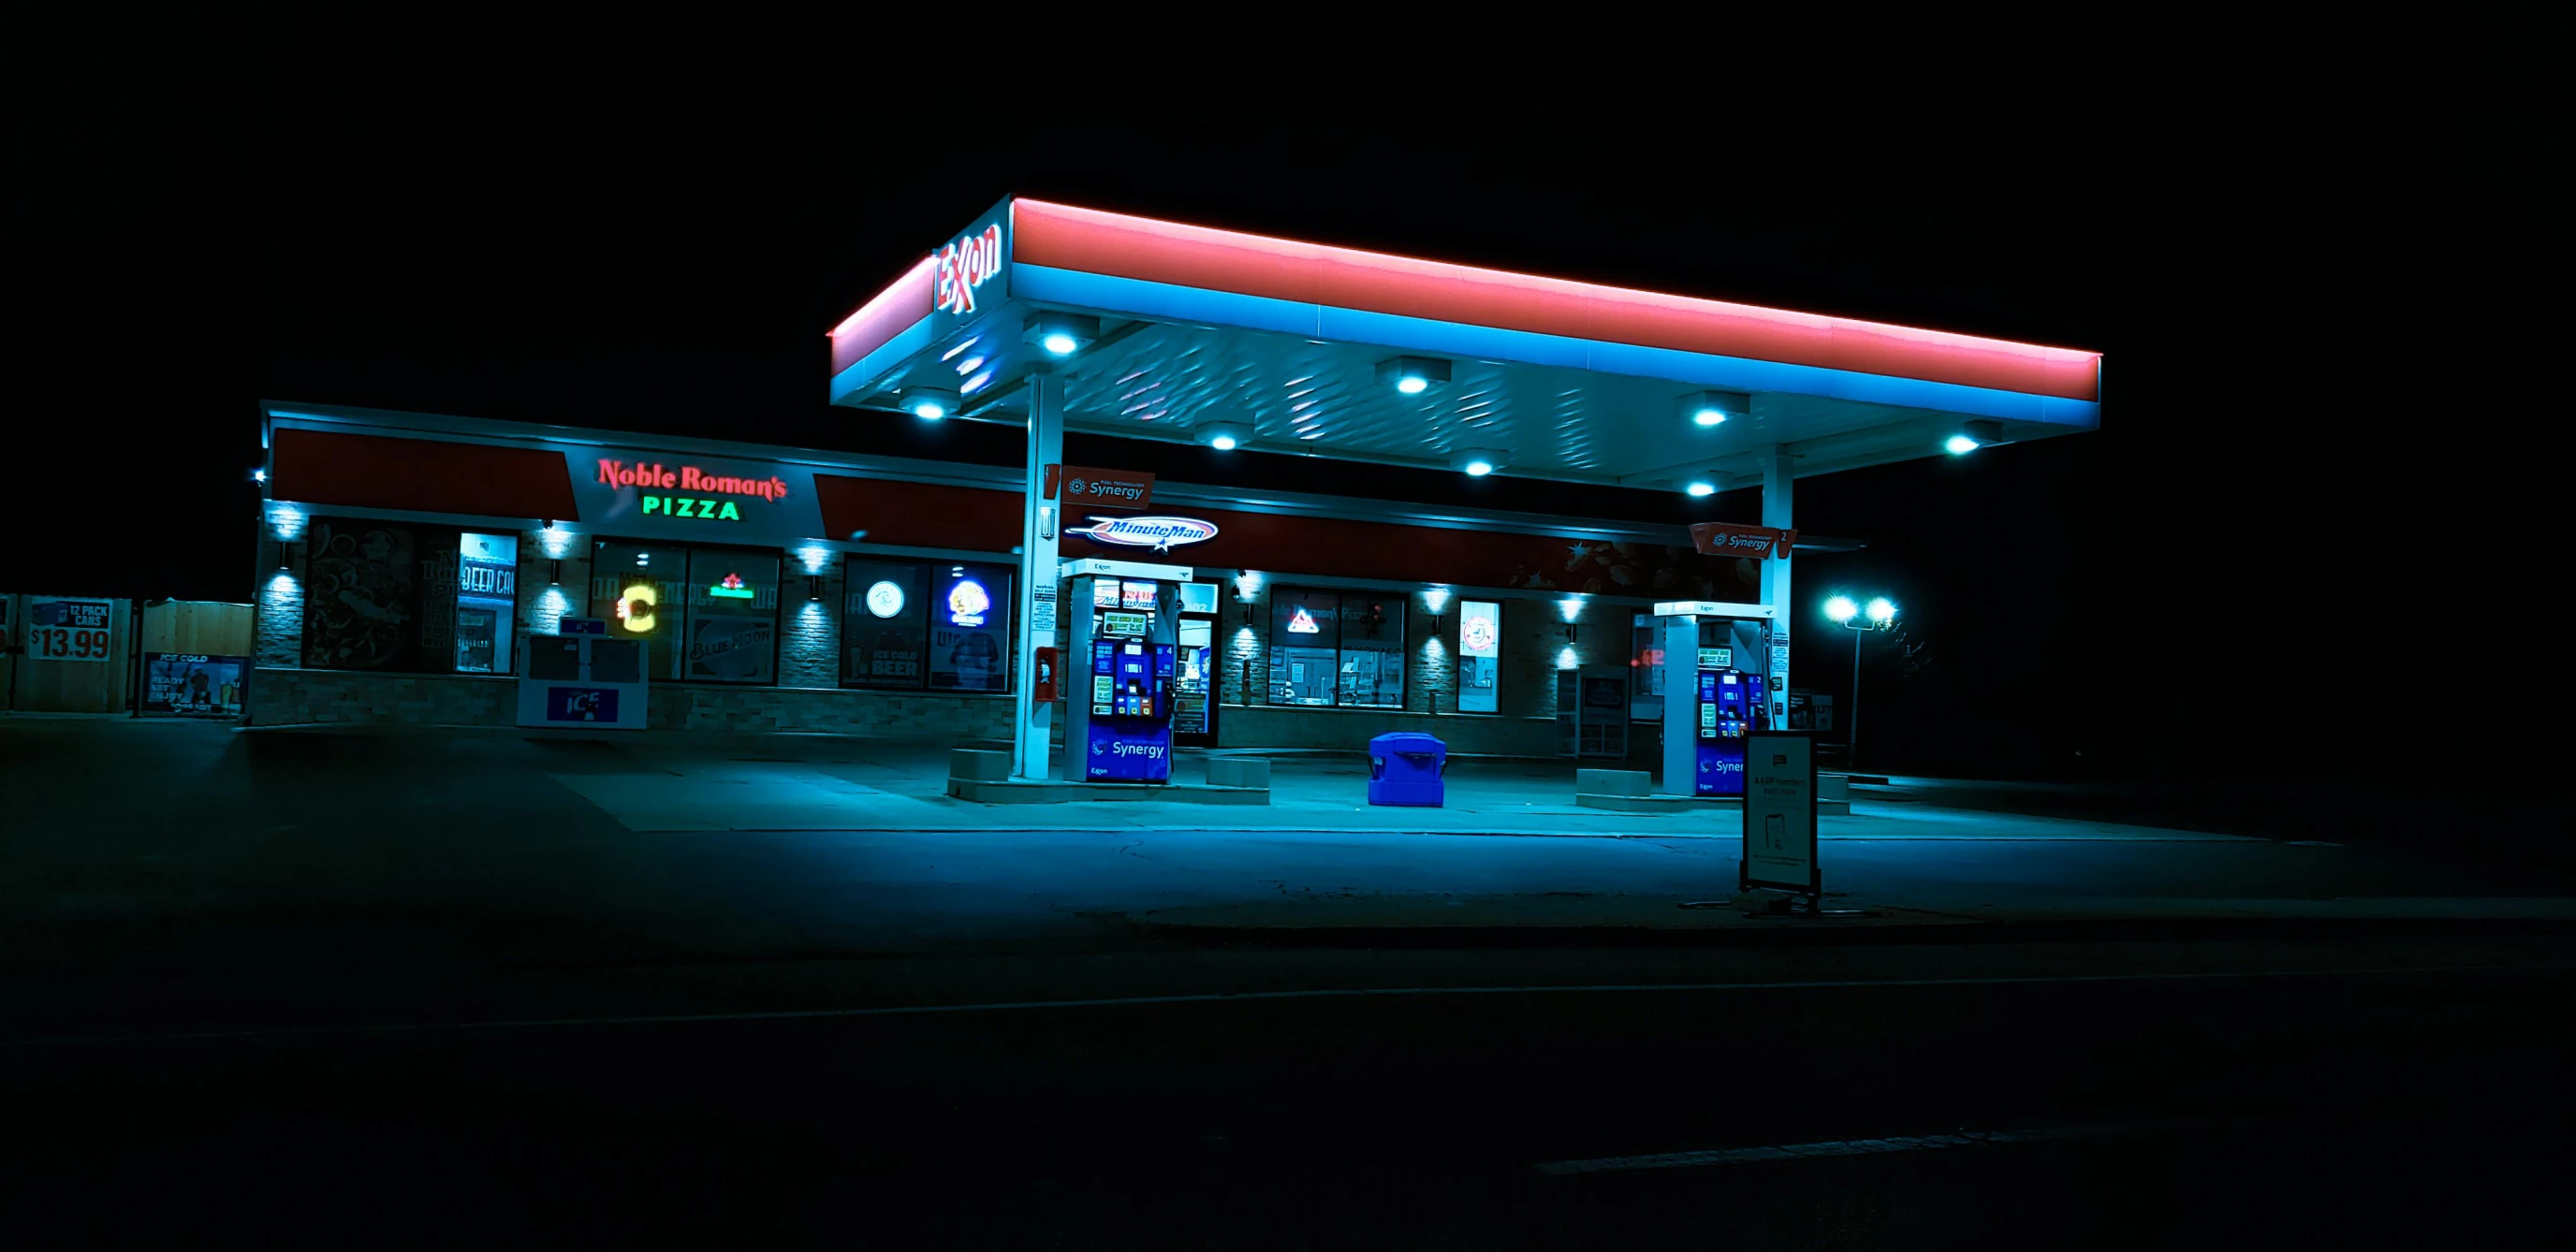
column 1194, row 685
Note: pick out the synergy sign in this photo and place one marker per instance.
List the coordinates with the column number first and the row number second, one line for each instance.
column 1720, row 539
column 1159, row 533
column 965, row 265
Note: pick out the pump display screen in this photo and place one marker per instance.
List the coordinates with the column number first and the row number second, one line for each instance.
column 1136, row 595
column 1123, row 625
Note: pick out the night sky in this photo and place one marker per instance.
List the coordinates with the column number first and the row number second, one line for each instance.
column 2316, row 261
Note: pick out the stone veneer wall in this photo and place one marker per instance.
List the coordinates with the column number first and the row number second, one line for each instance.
column 277, row 616
column 290, row 697
column 543, row 602
column 1349, row 730
column 808, row 697
column 1534, row 648
column 809, row 630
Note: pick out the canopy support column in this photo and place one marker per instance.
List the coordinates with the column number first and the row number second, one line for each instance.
column 1041, row 526
column 1778, row 498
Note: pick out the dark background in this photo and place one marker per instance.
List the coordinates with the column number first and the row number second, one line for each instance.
column 2305, row 538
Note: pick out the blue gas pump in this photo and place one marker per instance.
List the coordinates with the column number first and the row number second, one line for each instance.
column 1731, row 702
column 1119, row 717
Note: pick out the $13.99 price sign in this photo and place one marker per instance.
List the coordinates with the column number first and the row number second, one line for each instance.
column 67, row 630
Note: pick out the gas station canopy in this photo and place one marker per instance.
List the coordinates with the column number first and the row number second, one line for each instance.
column 1185, row 333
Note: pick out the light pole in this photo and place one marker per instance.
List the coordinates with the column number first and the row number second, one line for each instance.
column 1848, row 614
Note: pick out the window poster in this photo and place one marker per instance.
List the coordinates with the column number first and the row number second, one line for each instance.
column 362, row 596
column 885, row 625
column 198, row 686
column 727, row 648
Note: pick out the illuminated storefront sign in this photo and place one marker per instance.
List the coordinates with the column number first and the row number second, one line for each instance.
column 684, row 506
column 731, row 588
column 649, row 494
column 964, row 266
column 1479, row 634
column 690, row 478
column 715, row 497
column 1480, row 643
column 635, row 607
column 1721, row 539
column 968, row 603
column 885, row 599
column 1302, row 622
column 1159, row 533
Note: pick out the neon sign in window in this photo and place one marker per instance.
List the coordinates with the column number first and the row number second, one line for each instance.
column 730, row 588
column 968, row 603
column 635, row 607
column 1302, row 622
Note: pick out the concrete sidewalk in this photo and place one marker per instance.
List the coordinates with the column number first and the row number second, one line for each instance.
column 788, row 783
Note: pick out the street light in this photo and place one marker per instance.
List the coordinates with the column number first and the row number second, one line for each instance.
column 1850, row 615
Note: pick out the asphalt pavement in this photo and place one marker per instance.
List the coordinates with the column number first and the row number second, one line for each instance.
column 415, row 988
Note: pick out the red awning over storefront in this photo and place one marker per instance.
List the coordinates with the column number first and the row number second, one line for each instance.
column 419, row 475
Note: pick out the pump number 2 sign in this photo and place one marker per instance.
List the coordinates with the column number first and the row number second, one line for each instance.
column 67, row 630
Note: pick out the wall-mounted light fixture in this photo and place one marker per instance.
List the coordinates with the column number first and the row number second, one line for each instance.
column 814, row 586
column 554, row 572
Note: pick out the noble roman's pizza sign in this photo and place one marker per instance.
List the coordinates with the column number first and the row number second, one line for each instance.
column 645, row 495
column 689, row 491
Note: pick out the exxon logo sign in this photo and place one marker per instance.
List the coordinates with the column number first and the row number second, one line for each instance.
column 1158, row 533
column 963, row 267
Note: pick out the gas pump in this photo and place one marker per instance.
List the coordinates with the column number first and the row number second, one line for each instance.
column 1730, row 702
column 1710, row 700
column 1118, row 691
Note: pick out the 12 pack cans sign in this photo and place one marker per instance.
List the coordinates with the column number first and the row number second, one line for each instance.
column 69, row 630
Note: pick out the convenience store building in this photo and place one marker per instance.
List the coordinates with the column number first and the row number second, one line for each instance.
column 796, row 590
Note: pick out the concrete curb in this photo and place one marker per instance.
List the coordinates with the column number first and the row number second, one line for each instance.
column 1743, row 931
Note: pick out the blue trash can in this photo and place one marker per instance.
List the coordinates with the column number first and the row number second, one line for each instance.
column 1405, row 768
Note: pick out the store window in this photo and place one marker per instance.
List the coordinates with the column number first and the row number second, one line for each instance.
column 408, row 598
column 1336, row 648
column 937, row 626
column 970, row 628
column 704, row 614
column 487, row 602
column 885, row 626
column 733, row 616
column 1480, row 651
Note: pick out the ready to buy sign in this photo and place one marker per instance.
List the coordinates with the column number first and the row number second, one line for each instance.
column 68, row 630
